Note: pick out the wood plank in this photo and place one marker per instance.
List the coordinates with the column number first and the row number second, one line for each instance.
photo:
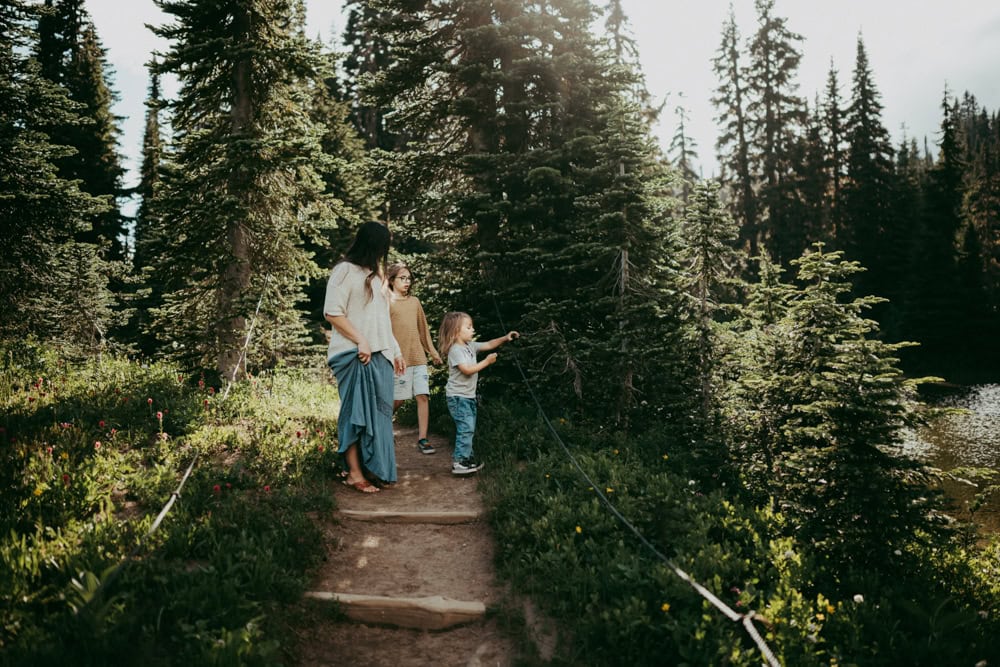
column 389, row 516
column 427, row 613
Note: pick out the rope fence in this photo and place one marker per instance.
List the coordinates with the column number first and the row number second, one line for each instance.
column 745, row 619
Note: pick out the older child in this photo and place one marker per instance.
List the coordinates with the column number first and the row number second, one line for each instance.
column 409, row 326
column 455, row 341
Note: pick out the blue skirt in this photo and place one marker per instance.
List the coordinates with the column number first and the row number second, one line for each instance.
column 366, row 411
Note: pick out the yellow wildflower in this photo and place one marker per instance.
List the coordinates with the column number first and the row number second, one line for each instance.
column 38, row 491
column 820, row 617
column 665, row 457
column 609, row 490
column 829, row 608
column 665, row 607
column 616, row 452
column 579, row 530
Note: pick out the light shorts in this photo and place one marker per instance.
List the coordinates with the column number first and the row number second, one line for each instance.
column 412, row 382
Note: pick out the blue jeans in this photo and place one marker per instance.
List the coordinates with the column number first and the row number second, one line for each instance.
column 463, row 411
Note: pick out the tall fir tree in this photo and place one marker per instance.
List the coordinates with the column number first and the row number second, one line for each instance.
column 51, row 283
column 833, row 138
column 870, row 231
column 242, row 196
column 733, row 145
column 777, row 117
column 73, row 57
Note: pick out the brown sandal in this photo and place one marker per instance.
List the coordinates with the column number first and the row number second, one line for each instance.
column 362, row 487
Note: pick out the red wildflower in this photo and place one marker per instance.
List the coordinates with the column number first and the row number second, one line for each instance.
column 65, row 479
column 201, row 383
column 320, row 448
column 149, row 401
column 66, row 425
column 100, row 424
column 117, row 390
column 216, row 489
column 206, row 403
column 31, row 399
column 211, row 390
column 228, row 485
column 159, row 415
column 113, row 431
column 267, row 488
column 97, row 445
column 298, row 434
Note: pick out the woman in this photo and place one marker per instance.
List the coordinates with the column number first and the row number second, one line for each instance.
column 363, row 354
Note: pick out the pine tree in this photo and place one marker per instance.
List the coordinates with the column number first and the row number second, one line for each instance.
column 683, row 152
column 733, row 145
column 833, row 138
column 776, row 117
column 869, row 231
column 72, row 57
column 242, row 196
column 50, row 280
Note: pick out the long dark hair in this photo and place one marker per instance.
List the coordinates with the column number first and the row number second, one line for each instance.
column 370, row 250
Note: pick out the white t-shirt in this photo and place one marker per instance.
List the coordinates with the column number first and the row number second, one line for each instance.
column 346, row 295
column 460, row 384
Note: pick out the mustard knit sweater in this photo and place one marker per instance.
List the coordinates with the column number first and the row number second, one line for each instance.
column 409, row 327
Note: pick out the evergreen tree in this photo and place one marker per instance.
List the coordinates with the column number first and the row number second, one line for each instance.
column 709, row 264
column 869, row 231
column 682, row 152
column 833, row 138
column 368, row 53
column 733, row 144
column 242, row 196
column 932, row 308
column 72, row 57
column 776, row 117
column 48, row 278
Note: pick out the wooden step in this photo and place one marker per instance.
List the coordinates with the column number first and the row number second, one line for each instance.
column 428, row 613
column 400, row 516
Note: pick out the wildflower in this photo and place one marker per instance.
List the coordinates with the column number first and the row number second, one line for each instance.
column 159, row 415
column 609, row 490
column 738, row 603
column 228, row 485
column 100, row 424
column 298, row 434
column 820, row 617
column 615, row 451
column 64, row 456
column 319, row 433
column 201, row 383
column 211, row 391
column 149, row 401
column 579, row 530
column 206, row 403
column 48, row 450
column 216, row 489
column 66, row 425
column 665, row 607
column 31, row 399
column 65, row 479
column 97, row 445
column 37, row 491
column 267, row 488
column 665, row 457
column 691, row 482
column 547, row 475
column 898, row 552
column 320, row 448
column 735, row 589
column 859, row 598
column 113, row 431
column 830, row 608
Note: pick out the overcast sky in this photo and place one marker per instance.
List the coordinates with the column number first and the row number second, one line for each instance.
column 915, row 48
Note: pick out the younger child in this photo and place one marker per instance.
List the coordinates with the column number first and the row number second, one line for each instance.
column 409, row 327
column 455, row 341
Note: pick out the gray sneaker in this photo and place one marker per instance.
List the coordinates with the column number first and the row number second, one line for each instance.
column 465, row 467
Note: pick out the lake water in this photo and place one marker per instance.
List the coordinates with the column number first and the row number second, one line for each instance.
column 969, row 439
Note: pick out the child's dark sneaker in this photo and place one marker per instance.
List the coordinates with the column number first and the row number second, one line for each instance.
column 425, row 447
column 465, row 467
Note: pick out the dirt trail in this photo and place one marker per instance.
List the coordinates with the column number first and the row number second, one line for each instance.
column 401, row 559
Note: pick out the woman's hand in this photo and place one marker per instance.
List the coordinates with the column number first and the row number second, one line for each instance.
column 400, row 365
column 364, row 352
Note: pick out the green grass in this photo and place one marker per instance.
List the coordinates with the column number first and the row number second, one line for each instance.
column 90, row 455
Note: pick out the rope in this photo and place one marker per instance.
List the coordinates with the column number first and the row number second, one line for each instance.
column 113, row 575
column 745, row 619
column 246, row 343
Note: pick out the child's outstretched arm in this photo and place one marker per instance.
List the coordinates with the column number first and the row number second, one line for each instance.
column 497, row 342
